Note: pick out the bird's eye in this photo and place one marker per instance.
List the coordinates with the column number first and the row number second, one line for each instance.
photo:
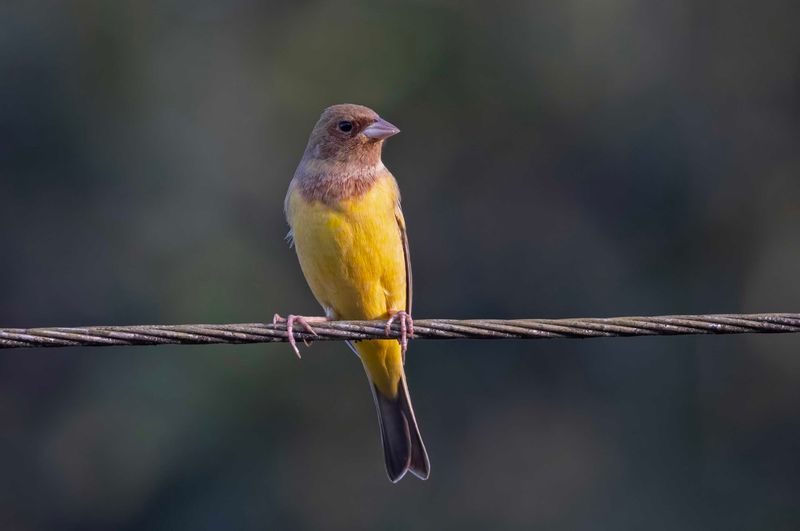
column 345, row 126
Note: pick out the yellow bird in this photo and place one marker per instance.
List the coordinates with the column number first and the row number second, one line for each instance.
column 343, row 209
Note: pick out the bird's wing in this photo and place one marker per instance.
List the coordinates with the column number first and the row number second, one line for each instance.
column 401, row 224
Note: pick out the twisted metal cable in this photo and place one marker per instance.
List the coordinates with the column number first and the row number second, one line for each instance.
column 200, row 334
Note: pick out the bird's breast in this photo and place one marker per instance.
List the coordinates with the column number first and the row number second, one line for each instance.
column 351, row 251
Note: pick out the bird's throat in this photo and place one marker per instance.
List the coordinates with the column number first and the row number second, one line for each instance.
column 332, row 181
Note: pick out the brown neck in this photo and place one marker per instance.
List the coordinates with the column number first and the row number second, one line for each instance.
column 331, row 181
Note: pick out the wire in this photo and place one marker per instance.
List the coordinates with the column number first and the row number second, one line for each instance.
column 203, row 334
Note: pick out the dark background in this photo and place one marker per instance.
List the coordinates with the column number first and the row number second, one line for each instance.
column 558, row 159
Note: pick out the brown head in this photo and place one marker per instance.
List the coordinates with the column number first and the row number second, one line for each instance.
column 343, row 156
column 348, row 133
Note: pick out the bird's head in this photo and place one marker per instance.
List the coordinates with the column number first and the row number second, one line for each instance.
column 348, row 133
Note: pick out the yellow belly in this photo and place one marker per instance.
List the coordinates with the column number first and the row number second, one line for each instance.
column 352, row 257
column 352, row 254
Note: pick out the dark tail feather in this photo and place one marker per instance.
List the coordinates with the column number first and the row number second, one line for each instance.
column 402, row 444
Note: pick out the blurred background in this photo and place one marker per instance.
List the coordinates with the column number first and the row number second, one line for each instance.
column 558, row 159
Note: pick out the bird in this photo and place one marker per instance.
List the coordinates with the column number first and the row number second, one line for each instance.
column 347, row 227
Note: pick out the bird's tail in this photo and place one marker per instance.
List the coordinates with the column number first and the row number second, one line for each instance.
column 403, row 448
column 402, row 445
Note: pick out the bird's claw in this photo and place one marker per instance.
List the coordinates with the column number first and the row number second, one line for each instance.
column 290, row 321
column 406, row 328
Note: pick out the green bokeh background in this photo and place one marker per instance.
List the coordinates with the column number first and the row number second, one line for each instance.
column 558, row 158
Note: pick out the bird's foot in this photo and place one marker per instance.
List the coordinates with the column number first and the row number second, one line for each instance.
column 406, row 327
column 290, row 321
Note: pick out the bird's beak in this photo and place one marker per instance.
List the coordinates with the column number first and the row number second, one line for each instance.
column 380, row 130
